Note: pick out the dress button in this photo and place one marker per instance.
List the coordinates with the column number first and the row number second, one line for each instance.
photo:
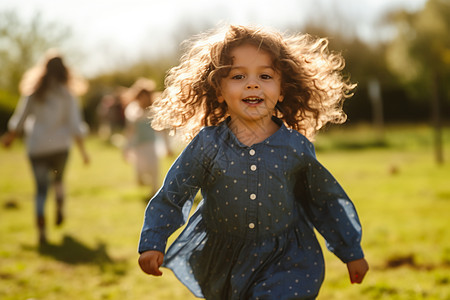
column 253, row 167
column 252, row 196
column 252, row 152
column 251, row 225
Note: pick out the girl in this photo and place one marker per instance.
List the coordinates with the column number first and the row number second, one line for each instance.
column 49, row 114
column 260, row 97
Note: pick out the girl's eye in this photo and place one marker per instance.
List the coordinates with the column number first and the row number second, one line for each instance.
column 266, row 76
column 238, row 76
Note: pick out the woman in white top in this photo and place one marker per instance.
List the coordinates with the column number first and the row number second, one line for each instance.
column 49, row 115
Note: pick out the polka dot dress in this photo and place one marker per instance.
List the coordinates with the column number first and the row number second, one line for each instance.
column 252, row 236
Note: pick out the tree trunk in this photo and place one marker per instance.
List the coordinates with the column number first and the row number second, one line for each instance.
column 374, row 90
column 436, row 120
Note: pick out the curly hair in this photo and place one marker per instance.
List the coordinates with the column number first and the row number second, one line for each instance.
column 312, row 84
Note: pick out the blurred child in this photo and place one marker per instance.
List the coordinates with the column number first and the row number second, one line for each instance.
column 140, row 148
column 110, row 116
column 260, row 98
column 50, row 116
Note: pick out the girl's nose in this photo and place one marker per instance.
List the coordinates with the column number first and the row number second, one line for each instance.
column 252, row 85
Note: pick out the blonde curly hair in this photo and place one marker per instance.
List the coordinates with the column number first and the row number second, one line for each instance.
column 312, row 84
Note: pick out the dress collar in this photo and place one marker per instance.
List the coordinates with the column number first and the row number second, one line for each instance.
column 229, row 135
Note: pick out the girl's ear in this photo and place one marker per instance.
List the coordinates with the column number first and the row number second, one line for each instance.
column 220, row 98
column 280, row 98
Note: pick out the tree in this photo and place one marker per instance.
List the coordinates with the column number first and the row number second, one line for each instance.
column 21, row 44
column 420, row 55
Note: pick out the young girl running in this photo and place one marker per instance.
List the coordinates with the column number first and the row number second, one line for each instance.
column 252, row 100
column 140, row 149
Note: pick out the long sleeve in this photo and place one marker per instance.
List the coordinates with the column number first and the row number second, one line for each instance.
column 77, row 126
column 169, row 208
column 329, row 209
column 17, row 121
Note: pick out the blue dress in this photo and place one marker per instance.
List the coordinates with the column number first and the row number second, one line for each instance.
column 252, row 235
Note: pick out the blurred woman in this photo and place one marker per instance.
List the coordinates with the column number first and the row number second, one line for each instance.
column 49, row 115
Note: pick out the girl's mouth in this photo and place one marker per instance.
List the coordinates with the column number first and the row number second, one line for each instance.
column 253, row 100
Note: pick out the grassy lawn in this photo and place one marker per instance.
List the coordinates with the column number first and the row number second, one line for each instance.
column 402, row 196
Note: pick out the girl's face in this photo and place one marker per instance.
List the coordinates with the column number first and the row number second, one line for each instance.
column 144, row 98
column 253, row 87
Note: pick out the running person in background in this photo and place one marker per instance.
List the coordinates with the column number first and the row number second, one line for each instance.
column 140, row 148
column 51, row 118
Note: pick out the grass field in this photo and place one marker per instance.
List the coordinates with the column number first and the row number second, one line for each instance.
column 402, row 196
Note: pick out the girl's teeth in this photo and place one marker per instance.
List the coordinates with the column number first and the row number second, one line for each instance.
column 253, row 100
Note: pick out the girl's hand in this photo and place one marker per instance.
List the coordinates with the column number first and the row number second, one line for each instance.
column 357, row 269
column 86, row 158
column 150, row 261
column 8, row 138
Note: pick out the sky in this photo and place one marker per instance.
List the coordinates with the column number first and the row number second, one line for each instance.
column 110, row 32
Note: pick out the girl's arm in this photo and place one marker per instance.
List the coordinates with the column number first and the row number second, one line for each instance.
column 80, row 143
column 169, row 209
column 329, row 209
column 78, row 127
column 17, row 121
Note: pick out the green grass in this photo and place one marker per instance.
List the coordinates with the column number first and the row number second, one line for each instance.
column 402, row 196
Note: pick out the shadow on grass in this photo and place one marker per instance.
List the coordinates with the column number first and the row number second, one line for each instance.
column 72, row 251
